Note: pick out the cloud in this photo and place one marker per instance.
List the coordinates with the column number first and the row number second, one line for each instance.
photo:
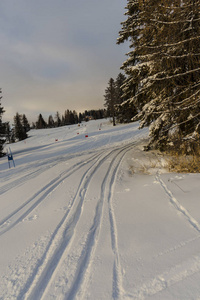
column 58, row 55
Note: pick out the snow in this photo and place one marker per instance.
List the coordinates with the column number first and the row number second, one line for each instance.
column 96, row 218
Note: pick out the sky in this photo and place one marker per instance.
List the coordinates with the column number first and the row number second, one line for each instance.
column 58, row 55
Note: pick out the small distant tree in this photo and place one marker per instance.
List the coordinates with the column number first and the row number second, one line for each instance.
column 2, row 130
column 66, row 117
column 80, row 117
column 51, row 122
column 41, row 122
column 19, row 130
column 33, row 126
column 71, row 117
column 75, row 117
column 110, row 99
column 10, row 135
column 58, row 121
column 25, row 123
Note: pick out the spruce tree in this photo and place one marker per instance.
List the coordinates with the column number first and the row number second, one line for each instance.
column 2, row 129
column 80, row 117
column 66, row 117
column 51, row 122
column 125, row 110
column 19, row 130
column 41, row 122
column 119, row 82
column 25, row 123
column 58, row 121
column 71, row 118
column 164, row 68
column 110, row 99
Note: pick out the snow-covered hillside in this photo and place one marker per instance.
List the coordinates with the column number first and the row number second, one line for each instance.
column 86, row 214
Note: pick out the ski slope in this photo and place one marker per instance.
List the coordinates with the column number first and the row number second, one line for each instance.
column 96, row 218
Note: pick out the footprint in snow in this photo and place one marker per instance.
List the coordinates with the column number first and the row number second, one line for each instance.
column 5, row 224
column 31, row 218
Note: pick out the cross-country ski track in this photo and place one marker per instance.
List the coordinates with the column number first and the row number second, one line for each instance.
column 96, row 218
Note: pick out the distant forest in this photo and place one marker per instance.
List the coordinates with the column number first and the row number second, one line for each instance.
column 21, row 126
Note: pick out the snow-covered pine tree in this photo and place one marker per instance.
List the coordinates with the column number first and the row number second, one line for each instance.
column 167, row 54
column 133, row 66
column 125, row 110
column 2, row 129
column 110, row 99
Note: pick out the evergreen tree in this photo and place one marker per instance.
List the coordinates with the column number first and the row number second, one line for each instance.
column 80, row 118
column 58, row 121
column 66, row 117
column 125, row 110
column 110, row 99
column 63, row 121
column 19, row 130
column 33, row 126
column 163, row 68
column 10, row 135
column 71, row 118
column 119, row 82
column 41, row 122
column 75, row 117
column 2, row 130
column 51, row 123
column 25, row 123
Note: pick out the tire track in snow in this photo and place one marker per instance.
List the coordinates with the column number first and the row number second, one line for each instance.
column 62, row 239
column 6, row 224
column 83, row 271
column 178, row 206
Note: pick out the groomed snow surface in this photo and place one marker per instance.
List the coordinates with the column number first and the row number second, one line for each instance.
column 96, row 218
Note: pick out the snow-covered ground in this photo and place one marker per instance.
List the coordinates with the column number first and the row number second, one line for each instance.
column 96, row 218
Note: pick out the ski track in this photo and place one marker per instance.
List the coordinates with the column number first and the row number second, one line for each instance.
column 167, row 279
column 60, row 239
column 6, row 224
column 180, row 271
column 79, row 286
column 178, row 206
column 60, row 243
column 41, row 167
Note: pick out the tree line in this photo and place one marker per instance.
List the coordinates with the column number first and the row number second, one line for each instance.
column 68, row 118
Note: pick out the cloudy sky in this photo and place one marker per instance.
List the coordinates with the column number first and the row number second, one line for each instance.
column 58, row 54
